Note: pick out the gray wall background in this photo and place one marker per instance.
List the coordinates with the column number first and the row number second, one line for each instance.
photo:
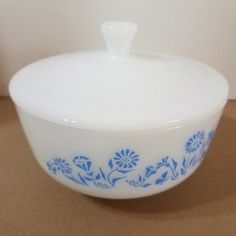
column 201, row 29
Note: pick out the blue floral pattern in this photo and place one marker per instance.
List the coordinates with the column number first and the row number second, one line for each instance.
column 195, row 142
column 124, row 161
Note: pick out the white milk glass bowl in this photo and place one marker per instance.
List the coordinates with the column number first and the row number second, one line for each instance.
column 116, row 124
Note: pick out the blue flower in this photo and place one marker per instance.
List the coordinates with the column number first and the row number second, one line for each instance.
column 126, row 159
column 82, row 162
column 195, row 142
column 58, row 164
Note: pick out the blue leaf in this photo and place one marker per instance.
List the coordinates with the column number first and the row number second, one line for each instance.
column 124, row 171
column 139, row 178
column 90, row 173
column 146, row 185
column 116, row 179
column 89, row 165
column 98, row 176
column 184, row 163
column 110, row 164
column 88, row 178
column 165, row 159
column 103, row 175
column 150, row 170
column 159, row 181
column 183, row 172
column 173, row 177
column 191, row 162
column 159, row 165
column 174, row 163
column 164, row 175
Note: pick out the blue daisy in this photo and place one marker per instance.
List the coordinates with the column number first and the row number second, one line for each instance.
column 126, row 159
column 195, row 142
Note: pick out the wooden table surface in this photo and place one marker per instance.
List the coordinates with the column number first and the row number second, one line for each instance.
column 31, row 203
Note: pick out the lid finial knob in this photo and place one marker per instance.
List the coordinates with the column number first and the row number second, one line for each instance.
column 118, row 36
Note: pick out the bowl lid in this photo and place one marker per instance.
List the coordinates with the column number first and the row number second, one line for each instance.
column 119, row 90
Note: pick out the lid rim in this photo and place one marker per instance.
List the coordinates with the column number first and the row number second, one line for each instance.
column 165, row 125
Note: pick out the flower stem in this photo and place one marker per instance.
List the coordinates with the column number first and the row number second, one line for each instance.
column 174, row 174
column 109, row 175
